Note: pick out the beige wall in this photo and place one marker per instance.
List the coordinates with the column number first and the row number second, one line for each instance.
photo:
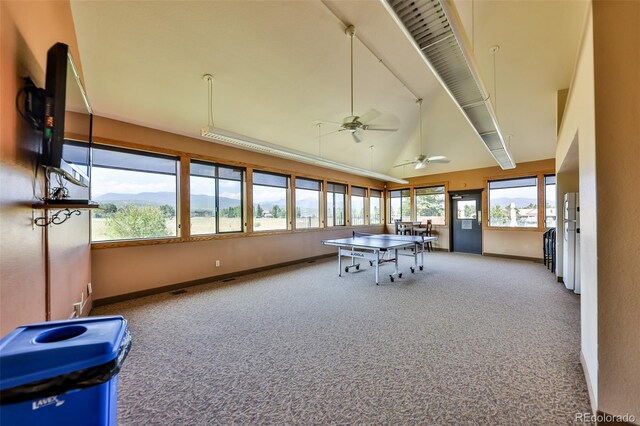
column 513, row 243
column 510, row 242
column 28, row 29
column 578, row 127
column 123, row 270
column 616, row 35
column 602, row 119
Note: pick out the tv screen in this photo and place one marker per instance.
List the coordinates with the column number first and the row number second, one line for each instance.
column 68, row 116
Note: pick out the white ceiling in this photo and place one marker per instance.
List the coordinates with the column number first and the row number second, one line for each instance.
column 280, row 65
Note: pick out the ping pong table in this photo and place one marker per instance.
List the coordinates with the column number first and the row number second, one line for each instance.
column 374, row 247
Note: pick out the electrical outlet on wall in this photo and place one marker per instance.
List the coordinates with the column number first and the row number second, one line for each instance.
column 217, row 263
column 89, row 289
column 77, row 308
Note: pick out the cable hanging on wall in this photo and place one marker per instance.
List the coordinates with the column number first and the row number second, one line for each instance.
column 494, row 50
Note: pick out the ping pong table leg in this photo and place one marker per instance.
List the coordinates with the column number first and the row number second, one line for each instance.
column 422, row 257
column 377, row 252
column 339, row 262
column 395, row 262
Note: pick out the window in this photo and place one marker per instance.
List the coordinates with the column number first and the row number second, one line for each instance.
column 216, row 198
column 399, row 205
column 514, row 203
column 269, row 201
column 76, row 153
column 550, row 201
column 308, row 203
column 466, row 209
column 336, row 194
column 357, row 205
column 137, row 192
column 430, row 204
column 375, row 207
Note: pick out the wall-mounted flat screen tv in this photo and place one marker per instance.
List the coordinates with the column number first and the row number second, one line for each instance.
column 68, row 116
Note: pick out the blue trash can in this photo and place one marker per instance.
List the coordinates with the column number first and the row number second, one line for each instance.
column 63, row 373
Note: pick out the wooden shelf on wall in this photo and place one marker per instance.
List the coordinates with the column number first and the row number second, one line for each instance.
column 52, row 205
column 64, row 211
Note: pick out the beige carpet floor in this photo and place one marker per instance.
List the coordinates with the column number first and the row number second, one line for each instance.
column 469, row 340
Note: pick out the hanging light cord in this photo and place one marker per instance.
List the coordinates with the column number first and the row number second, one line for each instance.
column 495, row 87
column 319, row 140
column 473, row 26
column 352, row 33
column 419, row 101
column 209, row 79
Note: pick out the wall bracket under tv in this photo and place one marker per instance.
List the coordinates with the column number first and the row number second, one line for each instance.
column 64, row 211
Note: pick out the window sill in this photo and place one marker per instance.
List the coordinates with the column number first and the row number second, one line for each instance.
column 134, row 243
column 511, row 229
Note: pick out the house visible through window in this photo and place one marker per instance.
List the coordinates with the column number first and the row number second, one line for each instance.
column 270, row 201
column 358, row 196
column 514, row 202
column 550, row 205
column 137, row 192
column 308, row 194
column 336, row 194
column 399, row 205
column 430, row 204
column 215, row 198
column 375, row 207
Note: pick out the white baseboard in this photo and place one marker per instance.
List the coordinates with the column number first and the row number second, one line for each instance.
column 594, row 407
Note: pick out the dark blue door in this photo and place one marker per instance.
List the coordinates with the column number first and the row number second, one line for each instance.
column 466, row 222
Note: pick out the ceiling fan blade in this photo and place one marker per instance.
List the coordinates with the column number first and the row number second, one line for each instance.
column 370, row 115
column 421, row 165
column 437, row 159
column 379, row 129
column 355, row 137
column 349, row 119
column 405, row 164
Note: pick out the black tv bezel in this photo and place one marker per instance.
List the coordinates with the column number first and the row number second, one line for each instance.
column 58, row 60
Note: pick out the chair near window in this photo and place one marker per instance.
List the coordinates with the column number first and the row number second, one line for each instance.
column 429, row 229
column 402, row 228
column 425, row 229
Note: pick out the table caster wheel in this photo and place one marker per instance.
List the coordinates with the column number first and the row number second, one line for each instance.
column 422, row 268
column 392, row 279
column 357, row 267
column 413, row 270
column 399, row 275
column 346, row 269
column 370, row 263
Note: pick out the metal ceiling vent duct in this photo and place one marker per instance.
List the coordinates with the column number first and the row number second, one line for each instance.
column 436, row 32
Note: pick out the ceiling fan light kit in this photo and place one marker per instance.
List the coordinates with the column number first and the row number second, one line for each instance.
column 434, row 29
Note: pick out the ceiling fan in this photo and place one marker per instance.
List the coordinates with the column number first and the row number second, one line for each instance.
column 422, row 160
column 353, row 123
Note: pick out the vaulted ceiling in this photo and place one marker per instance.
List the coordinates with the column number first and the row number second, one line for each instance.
column 279, row 66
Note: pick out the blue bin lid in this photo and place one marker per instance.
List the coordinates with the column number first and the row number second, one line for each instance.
column 44, row 350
